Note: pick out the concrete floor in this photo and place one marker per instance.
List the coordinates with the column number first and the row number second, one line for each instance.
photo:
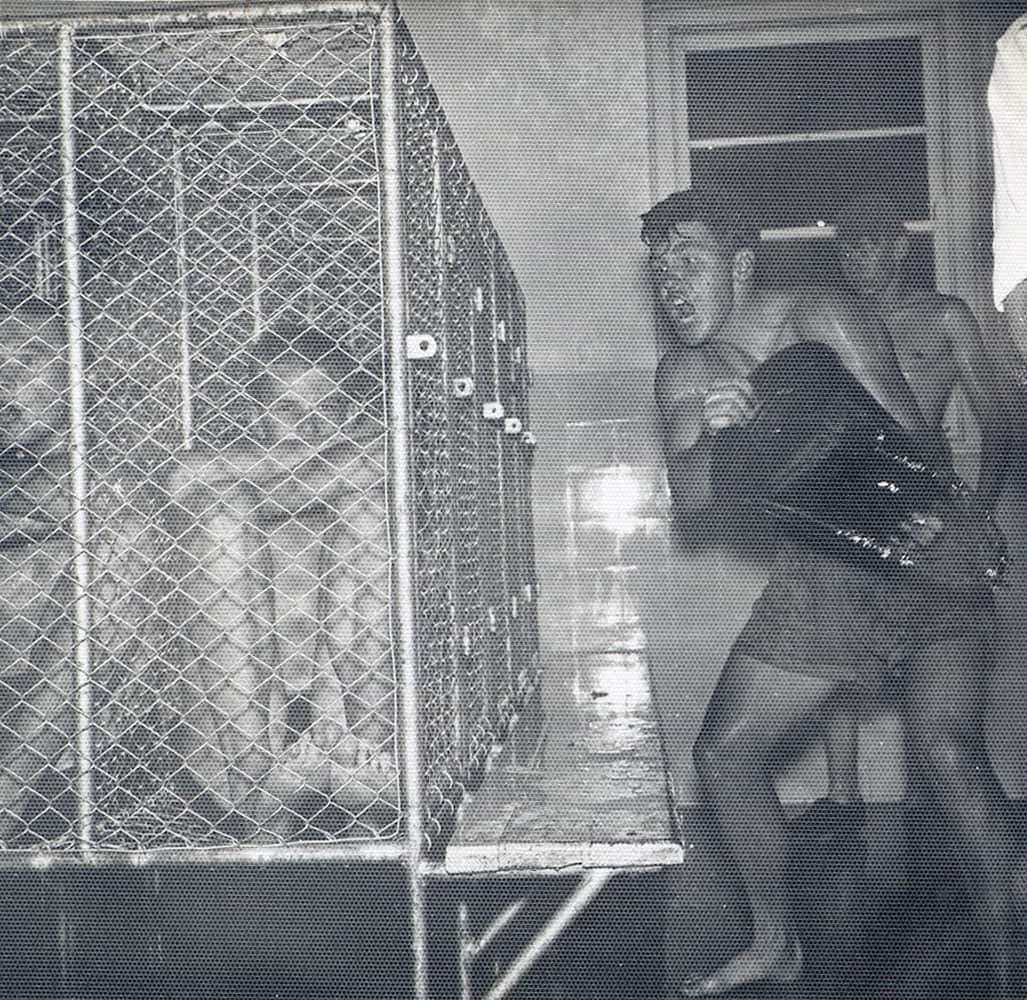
column 876, row 924
column 869, row 931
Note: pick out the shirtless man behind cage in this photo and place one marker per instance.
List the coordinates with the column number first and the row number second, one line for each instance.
column 36, row 580
column 825, row 624
column 284, row 540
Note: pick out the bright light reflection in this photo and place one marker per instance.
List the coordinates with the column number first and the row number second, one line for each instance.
column 615, row 495
column 623, row 683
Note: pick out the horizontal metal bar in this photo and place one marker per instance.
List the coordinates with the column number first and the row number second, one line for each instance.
column 295, row 102
column 587, row 889
column 316, row 187
column 743, row 25
column 780, row 138
column 257, row 854
column 10, row 119
column 202, row 16
column 826, row 231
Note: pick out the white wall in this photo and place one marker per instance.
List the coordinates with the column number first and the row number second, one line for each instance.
column 547, row 101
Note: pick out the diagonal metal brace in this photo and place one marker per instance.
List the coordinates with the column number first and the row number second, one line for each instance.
column 584, row 892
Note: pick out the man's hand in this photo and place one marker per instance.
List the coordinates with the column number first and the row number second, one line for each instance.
column 729, row 403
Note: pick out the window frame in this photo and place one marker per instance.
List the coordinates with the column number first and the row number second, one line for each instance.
column 718, row 25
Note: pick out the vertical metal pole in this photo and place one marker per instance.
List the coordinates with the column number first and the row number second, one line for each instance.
column 182, row 267
column 400, row 481
column 79, row 475
column 38, row 247
column 258, row 319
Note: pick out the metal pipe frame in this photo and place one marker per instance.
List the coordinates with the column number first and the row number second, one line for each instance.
column 185, row 18
column 258, row 314
column 182, row 268
column 346, row 100
column 470, row 947
column 401, row 505
column 342, row 852
column 79, row 477
column 587, row 889
column 408, row 850
column 475, row 946
column 394, row 850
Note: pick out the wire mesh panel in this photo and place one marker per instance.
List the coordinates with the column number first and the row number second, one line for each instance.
column 518, row 441
column 463, row 552
column 37, row 582
column 430, row 445
column 241, row 679
column 481, row 684
column 196, row 561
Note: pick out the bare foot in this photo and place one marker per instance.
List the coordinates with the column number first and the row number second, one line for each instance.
column 750, row 966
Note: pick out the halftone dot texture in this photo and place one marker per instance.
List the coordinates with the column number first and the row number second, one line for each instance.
column 237, row 619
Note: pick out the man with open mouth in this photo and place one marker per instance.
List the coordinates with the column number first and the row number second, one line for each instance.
column 830, row 620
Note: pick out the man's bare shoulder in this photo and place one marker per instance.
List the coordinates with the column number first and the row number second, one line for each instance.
column 834, row 316
column 805, row 309
column 942, row 314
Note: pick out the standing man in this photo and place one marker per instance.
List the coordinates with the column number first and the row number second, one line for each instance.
column 826, row 623
column 938, row 345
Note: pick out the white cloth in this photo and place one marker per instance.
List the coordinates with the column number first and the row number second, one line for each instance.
column 1007, row 102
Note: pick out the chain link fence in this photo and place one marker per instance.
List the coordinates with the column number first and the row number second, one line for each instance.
column 478, row 650
column 196, row 557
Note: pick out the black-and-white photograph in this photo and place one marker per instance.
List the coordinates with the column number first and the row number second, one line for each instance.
column 513, row 499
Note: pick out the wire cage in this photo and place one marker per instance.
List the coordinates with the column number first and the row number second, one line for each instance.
column 266, row 561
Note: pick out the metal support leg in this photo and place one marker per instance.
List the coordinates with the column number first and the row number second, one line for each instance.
column 400, row 464
column 471, row 947
column 583, row 894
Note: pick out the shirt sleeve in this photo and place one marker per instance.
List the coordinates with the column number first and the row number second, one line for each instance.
column 1007, row 103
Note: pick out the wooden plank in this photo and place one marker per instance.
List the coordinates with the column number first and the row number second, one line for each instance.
column 483, row 816
column 597, row 795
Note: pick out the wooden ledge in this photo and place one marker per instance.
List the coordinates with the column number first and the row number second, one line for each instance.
column 596, row 796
